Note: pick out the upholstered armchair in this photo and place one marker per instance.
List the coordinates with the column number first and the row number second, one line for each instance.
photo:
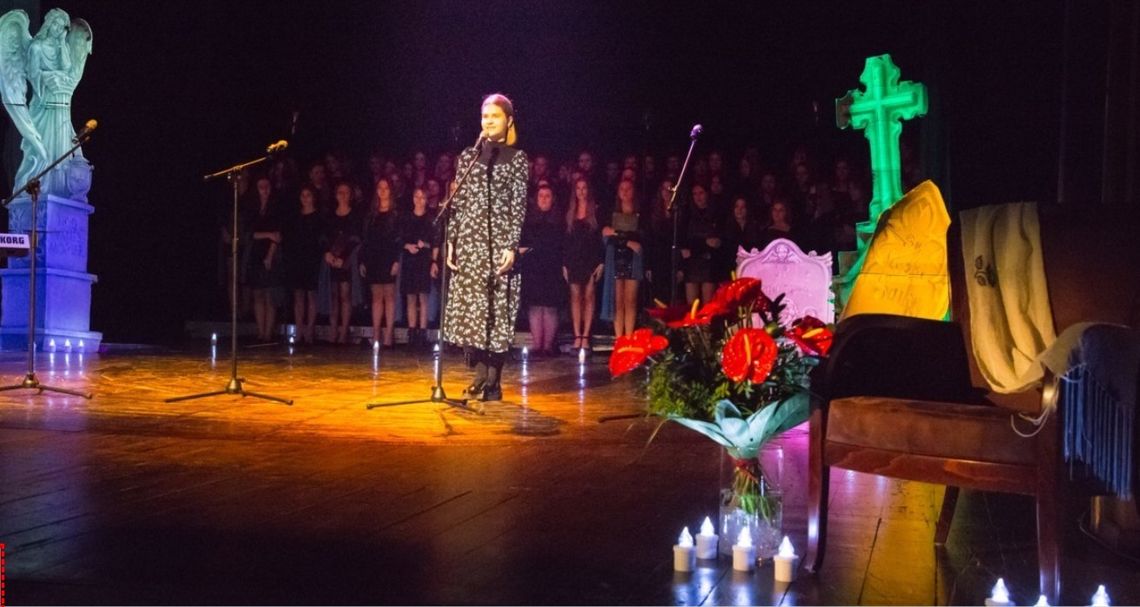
column 901, row 397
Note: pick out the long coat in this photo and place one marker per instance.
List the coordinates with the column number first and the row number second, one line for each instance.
column 488, row 215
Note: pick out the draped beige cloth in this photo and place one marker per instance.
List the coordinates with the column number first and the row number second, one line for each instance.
column 1011, row 321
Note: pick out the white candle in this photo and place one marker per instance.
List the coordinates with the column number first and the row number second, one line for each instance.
column 785, row 562
column 707, row 540
column 683, row 555
column 1100, row 599
column 999, row 596
column 743, row 553
column 1042, row 602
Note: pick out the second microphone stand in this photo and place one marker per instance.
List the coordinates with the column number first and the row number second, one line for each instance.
column 234, row 386
column 30, row 380
column 693, row 135
column 437, row 393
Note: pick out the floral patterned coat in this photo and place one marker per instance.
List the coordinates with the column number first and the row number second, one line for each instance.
column 488, row 212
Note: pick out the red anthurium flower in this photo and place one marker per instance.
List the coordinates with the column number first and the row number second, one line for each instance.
column 811, row 335
column 691, row 318
column 668, row 314
column 713, row 310
column 630, row 351
column 750, row 354
column 742, row 292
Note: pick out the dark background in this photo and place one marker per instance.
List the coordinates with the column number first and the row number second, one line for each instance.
column 181, row 89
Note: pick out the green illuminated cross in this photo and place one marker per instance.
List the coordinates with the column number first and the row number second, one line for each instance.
column 879, row 111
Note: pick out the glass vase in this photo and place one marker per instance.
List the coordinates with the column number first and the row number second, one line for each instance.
column 751, row 500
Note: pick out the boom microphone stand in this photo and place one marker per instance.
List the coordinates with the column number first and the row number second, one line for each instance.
column 437, row 393
column 234, row 386
column 693, row 135
column 30, row 380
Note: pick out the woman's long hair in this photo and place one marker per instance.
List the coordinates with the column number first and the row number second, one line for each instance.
column 591, row 208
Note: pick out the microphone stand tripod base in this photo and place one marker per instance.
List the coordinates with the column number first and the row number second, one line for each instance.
column 437, row 396
column 31, row 382
column 233, row 388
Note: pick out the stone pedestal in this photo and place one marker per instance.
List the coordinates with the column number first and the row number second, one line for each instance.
column 63, row 286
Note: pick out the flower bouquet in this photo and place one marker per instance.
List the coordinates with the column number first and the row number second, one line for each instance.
column 729, row 370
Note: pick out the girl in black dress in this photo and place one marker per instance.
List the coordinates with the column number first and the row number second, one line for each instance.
column 701, row 248
column 582, row 263
column 542, row 288
column 263, row 265
column 380, row 260
column 739, row 232
column 417, row 233
column 342, row 240
column 660, row 270
column 304, row 242
column 624, row 259
column 781, row 225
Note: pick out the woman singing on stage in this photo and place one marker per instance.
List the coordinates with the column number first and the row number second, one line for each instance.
column 483, row 240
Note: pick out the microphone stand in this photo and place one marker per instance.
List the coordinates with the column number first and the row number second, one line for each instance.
column 234, row 386
column 437, row 393
column 693, row 135
column 32, row 187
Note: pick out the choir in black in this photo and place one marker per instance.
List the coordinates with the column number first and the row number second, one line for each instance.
column 596, row 243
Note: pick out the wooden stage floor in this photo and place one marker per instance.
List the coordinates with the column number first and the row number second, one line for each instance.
column 126, row 499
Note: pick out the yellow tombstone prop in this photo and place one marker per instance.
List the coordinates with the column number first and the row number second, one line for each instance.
column 905, row 269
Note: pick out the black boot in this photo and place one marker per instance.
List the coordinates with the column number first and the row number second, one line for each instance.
column 477, row 389
column 493, row 389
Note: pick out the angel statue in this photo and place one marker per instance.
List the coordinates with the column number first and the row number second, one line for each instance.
column 53, row 63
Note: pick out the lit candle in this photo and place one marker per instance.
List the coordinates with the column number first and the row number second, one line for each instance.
column 683, row 555
column 81, row 345
column 1100, row 599
column 375, row 346
column 1041, row 602
column 582, row 356
column 525, row 352
column 213, row 339
column 743, row 554
column 51, row 346
column 707, row 541
column 999, row 596
column 785, row 562
column 67, row 345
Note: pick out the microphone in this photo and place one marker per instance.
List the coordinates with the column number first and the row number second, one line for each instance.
column 696, row 132
column 277, row 147
column 85, row 131
column 481, row 140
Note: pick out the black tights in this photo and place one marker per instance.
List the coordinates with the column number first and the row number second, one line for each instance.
column 488, row 367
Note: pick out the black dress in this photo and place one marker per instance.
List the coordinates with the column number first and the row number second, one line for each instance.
column 583, row 253
column 257, row 275
column 415, row 271
column 735, row 237
column 627, row 226
column 701, row 225
column 658, row 257
column 542, row 264
column 342, row 237
column 304, row 245
column 381, row 248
